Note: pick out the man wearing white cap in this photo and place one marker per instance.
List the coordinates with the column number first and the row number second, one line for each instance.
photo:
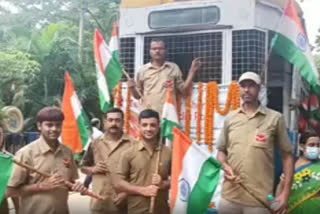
column 246, row 152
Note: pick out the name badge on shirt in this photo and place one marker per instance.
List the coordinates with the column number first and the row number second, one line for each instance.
column 260, row 138
column 66, row 162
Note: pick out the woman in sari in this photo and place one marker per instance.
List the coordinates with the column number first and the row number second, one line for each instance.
column 305, row 190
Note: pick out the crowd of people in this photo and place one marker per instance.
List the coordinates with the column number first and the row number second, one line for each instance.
column 130, row 175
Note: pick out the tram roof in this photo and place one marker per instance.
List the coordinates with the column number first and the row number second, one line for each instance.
column 148, row 3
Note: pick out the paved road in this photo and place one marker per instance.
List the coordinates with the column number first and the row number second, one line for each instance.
column 79, row 204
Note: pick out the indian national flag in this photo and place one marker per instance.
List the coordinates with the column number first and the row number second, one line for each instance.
column 6, row 163
column 169, row 118
column 291, row 43
column 194, row 176
column 108, row 67
column 75, row 128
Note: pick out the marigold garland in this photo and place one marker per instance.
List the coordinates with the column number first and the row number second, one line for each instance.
column 199, row 108
column 208, row 138
column 178, row 105
column 210, row 143
column 236, row 96
column 118, row 95
column 188, row 115
column 127, row 112
column 212, row 104
column 232, row 101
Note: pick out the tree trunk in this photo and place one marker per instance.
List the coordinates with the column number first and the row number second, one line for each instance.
column 81, row 30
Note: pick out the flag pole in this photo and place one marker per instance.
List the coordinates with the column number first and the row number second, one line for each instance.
column 67, row 183
column 252, row 194
column 269, row 51
column 139, row 93
column 153, row 199
column 255, row 197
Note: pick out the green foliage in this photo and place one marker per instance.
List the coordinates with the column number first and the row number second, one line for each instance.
column 18, row 70
column 39, row 41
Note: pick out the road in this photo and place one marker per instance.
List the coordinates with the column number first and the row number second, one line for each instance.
column 78, row 204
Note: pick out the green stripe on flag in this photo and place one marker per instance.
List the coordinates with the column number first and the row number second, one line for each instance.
column 113, row 72
column 104, row 104
column 288, row 50
column 166, row 128
column 84, row 127
column 204, row 188
column 6, row 163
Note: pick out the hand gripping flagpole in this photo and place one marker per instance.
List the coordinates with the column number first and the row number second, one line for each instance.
column 67, row 183
column 153, row 199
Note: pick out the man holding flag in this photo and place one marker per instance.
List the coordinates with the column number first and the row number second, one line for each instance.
column 144, row 169
column 246, row 153
column 101, row 162
column 46, row 154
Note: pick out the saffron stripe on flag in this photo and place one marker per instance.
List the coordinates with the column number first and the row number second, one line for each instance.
column 75, row 127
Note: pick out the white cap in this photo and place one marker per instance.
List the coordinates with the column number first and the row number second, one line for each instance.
column 250, row 76
column 95, row 120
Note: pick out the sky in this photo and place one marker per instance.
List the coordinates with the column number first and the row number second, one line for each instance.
column 311, row 10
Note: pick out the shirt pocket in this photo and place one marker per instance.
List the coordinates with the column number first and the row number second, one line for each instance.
column 263, row 138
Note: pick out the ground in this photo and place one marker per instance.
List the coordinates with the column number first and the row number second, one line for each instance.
column 78, row 204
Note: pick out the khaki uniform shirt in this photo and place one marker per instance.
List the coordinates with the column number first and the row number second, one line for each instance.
column 39, row 155
column 100, row 151
column 150, row 82
column 249, row 145
column 137, row 166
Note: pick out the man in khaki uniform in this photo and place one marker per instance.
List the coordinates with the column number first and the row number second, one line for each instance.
column 154, row 77
column 137, row 174
column 40, row 195
column 246, row 152
column 101, row 161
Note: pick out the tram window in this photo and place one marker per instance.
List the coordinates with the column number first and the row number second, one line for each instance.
column 184, row 17
column 182, row 49
column 248, row 52
column 127, row 54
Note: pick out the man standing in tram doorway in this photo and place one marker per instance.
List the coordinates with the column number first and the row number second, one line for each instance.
column 155, row 77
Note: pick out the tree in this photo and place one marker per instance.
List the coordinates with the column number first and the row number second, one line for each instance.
column 46, row 33
column 18, row 70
